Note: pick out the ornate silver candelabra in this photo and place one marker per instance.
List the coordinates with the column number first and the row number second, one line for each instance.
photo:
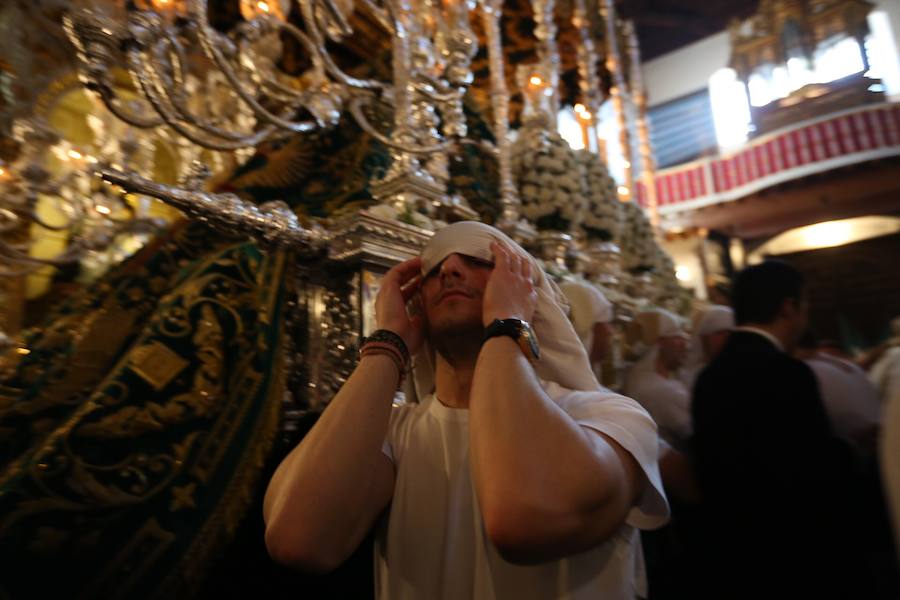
column 175, row 59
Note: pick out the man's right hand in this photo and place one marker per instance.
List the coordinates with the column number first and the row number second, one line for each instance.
column 400, row 284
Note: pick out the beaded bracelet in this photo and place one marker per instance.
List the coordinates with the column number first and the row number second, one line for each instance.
column 385, row 336
column 383, row 348
column 371, row 351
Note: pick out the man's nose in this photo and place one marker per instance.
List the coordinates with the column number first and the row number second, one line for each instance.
column 452, row 267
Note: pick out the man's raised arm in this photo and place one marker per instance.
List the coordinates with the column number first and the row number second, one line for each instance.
column 327, row 493
column 547, row 487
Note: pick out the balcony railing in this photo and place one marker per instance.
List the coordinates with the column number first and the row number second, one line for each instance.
column 815, row 146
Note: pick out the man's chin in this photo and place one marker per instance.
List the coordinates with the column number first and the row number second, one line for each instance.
column 453, row 326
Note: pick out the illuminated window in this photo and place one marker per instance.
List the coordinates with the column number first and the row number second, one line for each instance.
column 884, row 58
column 731, row 114
column 569, row 128
column 834, row 58
column 758, row 85
column 608, row 131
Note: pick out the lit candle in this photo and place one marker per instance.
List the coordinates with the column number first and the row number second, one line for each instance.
column 583, row 116
column 250, row 9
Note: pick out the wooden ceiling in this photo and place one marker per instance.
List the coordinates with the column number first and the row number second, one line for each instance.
column 667, row 25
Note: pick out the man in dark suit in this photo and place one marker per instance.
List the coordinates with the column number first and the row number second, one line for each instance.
column 775, row 480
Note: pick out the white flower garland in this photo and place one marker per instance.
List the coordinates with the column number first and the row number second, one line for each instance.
column 603, row 215
column 556, row 272
column 549, row 179
column 639, row 247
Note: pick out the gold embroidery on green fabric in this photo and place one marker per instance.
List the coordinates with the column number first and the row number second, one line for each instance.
column 225, row 395
column 183, row 496
column 225, row 518
column 156, row 364
column 148, row 543
column 48, row 541
column 132, row 421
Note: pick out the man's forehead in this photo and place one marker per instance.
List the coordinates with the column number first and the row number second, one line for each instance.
column 467, row 238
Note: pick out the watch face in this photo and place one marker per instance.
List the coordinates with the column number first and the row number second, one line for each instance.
column 518, row 330
column 528, row 335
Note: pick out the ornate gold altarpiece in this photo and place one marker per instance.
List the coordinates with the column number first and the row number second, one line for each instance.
column 793, row 29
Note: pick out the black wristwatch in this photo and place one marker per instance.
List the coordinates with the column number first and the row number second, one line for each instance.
column 518, row 330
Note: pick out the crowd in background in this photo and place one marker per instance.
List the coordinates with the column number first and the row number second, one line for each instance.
column 778, row 450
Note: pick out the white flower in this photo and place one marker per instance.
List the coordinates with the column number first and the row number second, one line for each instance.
column 603, row 216
column 639, row 247
column 549, row 179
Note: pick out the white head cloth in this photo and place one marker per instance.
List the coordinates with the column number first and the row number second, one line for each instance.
column 649, row 326
column 894, row 340
column 588, row 306
column 563, row 358
column 710, row 320
column 714, row 319
column 658, row 323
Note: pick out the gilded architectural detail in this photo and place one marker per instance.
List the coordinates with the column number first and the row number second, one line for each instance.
column 157, row 364
column 367, row 235
column 784, row 29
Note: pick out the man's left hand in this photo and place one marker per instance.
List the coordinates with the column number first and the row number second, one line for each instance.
column 510, row 292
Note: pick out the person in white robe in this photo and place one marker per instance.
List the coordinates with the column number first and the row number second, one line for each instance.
column 885, row 373
column 890, row 464
column 591, row 314
column 713, row 326
column 850, row 398
column 508, row 473
column 654, row 380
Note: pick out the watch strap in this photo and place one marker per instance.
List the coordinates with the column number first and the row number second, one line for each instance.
column 517, row 329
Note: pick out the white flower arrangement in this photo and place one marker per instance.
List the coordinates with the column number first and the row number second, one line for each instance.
column 553, row 269
column 639, row 248
column 602, row 219
column 665, row 266
column 550, row 184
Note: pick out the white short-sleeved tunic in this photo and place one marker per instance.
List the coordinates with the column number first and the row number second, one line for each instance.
column 432, row 545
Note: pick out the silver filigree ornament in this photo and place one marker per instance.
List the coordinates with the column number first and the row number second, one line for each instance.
column 433, row 46
column 87, row 216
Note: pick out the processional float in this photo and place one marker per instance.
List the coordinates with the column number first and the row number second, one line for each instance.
column 136, row 423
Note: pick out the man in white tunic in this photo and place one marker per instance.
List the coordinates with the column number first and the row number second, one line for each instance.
column 654, row 379
column 513, row 476
column 850, row 399
column 713, row 326
column 591, row 315
column 885, row 373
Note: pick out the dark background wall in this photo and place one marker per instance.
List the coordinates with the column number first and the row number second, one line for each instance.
column 854, row 289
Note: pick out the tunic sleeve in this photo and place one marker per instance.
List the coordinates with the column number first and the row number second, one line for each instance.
column 625, row 421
